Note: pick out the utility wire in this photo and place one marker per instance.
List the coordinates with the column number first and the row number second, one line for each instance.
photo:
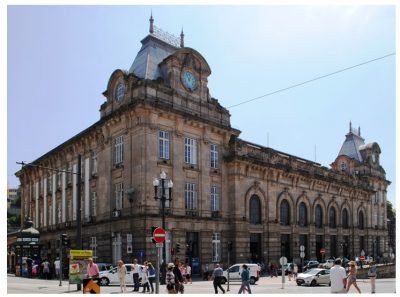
column 311, row 80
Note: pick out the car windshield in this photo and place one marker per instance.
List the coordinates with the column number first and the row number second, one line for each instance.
column 313, row 271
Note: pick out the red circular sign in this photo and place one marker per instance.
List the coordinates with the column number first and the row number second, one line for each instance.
column 322, row 251
column 362, row 258
column 159, row 235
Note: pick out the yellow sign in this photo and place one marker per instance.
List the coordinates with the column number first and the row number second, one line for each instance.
column 80, row 253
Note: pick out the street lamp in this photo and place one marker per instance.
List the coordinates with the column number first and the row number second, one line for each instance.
column 165, row 184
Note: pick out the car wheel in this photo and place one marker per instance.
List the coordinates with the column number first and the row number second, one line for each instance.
column 298, row 284
column 104, row 281
column 313, row 283
column 223, row 281
column 252, row 281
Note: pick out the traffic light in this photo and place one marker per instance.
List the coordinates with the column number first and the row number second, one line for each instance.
column 65, row 241
column 230, row 246
column 177, row 248
column 152, row 234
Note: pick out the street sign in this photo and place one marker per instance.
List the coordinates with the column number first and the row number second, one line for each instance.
column 159, row 235
column 362, row 258
column 159, row 244
column 322, row 251
column 129, row 248
column 302, row 255
column 302, row 248
column 283, row 260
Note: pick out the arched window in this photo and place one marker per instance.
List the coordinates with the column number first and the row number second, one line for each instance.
column 285, row 213
column 255, row 210
column 345, row 219
column 361, row 220
column 332, row 217
column 302, row 214
column 318, row 216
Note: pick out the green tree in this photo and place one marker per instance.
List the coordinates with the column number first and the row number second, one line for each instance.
column 390, row 211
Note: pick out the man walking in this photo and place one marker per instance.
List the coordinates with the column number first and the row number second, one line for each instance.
column 245, row 280
column 217, row 276
column 338, row 277
column 92, row 269
column 57, row 267
column 135, row 274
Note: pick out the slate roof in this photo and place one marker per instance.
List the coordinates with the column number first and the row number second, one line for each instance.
column 351, row 146
column 152, row 53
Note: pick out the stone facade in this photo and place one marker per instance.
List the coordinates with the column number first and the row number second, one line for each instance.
column 225, row 189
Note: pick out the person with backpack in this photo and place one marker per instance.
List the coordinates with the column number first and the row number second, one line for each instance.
column 245, row 276
column 152, row 275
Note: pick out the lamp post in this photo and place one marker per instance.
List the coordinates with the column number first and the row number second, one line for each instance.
column 165, row 184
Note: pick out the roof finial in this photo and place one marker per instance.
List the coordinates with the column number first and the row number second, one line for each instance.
column 359, row 131
column 182, row 40
column 151, row 23
column 350, row 127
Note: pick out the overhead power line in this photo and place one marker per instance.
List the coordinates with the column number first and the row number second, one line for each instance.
column 311, row 80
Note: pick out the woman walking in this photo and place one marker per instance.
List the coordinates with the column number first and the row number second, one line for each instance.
column 352, row 278
column 372, row 276
column 145, row 278
column 121, row 270
column 170, row 279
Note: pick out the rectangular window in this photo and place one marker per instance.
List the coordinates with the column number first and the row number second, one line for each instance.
column 119, row 191
column 94, row 162
column 216, row 247
column 118, row 150
column 190, row 151
column 163, row 140
column 190, row 196
column 214, row 199
column 93, row 246
column 93, row 204
column 214, row 156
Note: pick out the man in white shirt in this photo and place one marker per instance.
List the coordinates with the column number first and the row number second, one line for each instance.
column 338, row 277
column 57, row 267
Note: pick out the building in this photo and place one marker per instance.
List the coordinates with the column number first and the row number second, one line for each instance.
column 11, row 196
column 160, row 117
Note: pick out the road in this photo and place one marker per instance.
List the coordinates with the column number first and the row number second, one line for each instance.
column 266, row 285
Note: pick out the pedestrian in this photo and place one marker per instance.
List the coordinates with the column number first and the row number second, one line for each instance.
column 188, row 273
column 178, row 277
column 57, row 267
column 182, row 268
column 145, row 278
column 245, row 276
column 152, row 275
column 352, row 277
column 46, row 268
column 217, row 279
column 135, row 275
column 295, row 271
column 290, row 272
column 372, row 275
column 92, row 269
column 29, row 262
column 121, row 270
column 337, row 276
column 206, row 273
column 170, row 279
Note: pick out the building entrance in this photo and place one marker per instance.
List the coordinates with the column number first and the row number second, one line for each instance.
column 255, row 247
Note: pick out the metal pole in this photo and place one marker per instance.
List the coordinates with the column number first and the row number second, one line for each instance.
column 229, row 256
column 61, row 262
column 164, row 253
column 158, row 271
column 78, row 215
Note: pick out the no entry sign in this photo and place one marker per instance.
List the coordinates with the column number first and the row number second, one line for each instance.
column 322, row 251
column 159, row 235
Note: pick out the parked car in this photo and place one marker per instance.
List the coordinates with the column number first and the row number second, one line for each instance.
column 236, row 270
column 313, row 277
column 310, row 264
column 328, row 263
column 110, row 277
column 104, row 266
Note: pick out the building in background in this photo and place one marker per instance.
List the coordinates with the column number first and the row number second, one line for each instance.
column 160, row 117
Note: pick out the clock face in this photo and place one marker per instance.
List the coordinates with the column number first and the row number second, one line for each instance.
column 189, row 80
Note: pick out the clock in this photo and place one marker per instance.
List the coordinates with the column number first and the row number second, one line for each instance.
column 189, row 80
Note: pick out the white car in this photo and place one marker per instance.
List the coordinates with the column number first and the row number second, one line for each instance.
column 236, row 270
column 313, row 277
column 110, row 277
column 328, row 264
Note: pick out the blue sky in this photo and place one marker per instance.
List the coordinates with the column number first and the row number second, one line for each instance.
column 61, row 57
